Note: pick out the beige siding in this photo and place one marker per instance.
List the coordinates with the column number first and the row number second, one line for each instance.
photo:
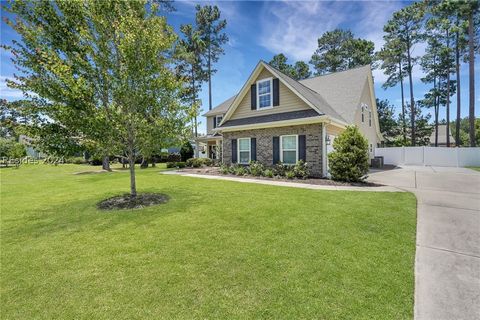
column 210, row 124
column 289, row 101
column 333, row 130
column 368, row 131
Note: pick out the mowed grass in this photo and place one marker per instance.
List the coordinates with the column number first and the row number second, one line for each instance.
column 475, row 168
column 217, row 250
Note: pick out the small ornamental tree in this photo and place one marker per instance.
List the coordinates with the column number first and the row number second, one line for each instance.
column 349, row 160
column 186, row 151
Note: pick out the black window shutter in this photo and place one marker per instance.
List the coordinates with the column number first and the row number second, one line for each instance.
column 276, row 150
column 276, row 92
column 214, row 122
column 253, row 149
column 253, row 96
column 302, row 150
column 234, row 150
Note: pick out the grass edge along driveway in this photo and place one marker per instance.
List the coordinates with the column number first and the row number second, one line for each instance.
column 218, row 249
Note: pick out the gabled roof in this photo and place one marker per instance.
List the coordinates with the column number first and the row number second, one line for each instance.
column 336, row 95
column 341, row 89
column 221, row 108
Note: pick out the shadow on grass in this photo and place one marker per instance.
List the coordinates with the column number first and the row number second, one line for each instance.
column 74, row 216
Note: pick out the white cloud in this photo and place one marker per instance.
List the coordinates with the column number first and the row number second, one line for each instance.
column 294, row 27
column 7, row 92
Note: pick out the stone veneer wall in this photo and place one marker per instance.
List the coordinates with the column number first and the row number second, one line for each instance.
column 313, row 133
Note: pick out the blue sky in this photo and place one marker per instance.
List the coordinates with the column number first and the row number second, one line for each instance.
column 258, row 30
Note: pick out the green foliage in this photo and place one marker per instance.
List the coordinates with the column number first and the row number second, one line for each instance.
column 349, row 160
column 171, row 165
column 11, row 149
column 268, row 173
column 280, row 169
column 224, row 169
column 256, row 168
column 100, row 74
column 338, row 50
column 207, row 162
column 210, row 28
column 240, row 170
column 301, row 170
column 76, row 160
column 300, row 70
column 194, row 162
column 181, row 164
column 289, row 174
column 174, row 157
column 186, row 151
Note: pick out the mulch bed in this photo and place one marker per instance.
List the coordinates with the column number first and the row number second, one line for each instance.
column 126, row 201
column 215, row 171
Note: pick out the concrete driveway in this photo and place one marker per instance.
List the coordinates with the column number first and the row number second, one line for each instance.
column 447, row 262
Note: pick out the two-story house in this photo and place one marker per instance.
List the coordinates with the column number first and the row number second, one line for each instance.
column 275, row 118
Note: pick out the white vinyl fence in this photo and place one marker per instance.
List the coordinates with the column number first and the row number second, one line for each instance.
column 430, row 156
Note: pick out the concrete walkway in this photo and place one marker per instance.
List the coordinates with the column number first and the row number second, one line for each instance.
column 447, row 262
column 285, row 183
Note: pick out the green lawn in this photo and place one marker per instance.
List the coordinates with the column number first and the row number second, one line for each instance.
column 475, row 168
column 218, row 249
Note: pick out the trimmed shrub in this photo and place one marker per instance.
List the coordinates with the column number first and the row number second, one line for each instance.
column 349, row 160
column 268, row 173
column 240, row 170
column 207, row 161
column 171, row 164
column 181, row 164
column 290, row 174
column 186, row 151
column 279, row 169
column 301, row 170
column 256, row 168
column 174, row 157
column 194, row 162
column 224, row 169
column 76, row 160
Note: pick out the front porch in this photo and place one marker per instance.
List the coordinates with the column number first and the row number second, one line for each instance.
column 209, row 146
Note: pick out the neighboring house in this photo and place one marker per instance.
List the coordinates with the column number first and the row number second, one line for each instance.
column 275, row 118
column 442, row 137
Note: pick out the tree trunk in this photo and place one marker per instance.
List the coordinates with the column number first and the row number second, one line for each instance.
column 448, row 97
column 404, row 124
column 106, row 163
column 209, row 80
column 144, row 163
column 412, row 101
column 471, row 71
column 194, row 95
column 457, row 71
column 133, row 186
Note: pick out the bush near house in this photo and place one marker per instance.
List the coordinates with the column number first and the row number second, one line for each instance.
column 349, row 160
column 186, row 151
column 299, row 170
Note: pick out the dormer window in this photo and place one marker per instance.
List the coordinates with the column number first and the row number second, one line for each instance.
column 264, row 93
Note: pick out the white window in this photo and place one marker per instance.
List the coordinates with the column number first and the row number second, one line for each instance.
column 289, row 149
column 264, row 93
column 218, row 119
column 244, row 150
